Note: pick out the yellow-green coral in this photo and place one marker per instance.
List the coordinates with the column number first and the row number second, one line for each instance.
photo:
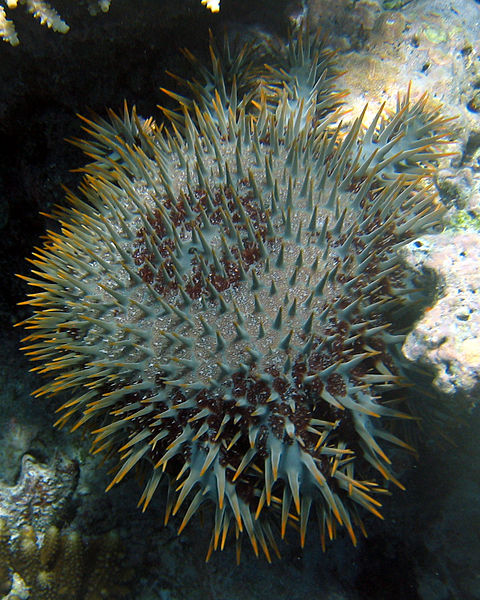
column 465, row 219
column 48, row 16
column 62, row 566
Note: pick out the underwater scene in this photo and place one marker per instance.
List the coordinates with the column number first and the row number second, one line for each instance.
column 239, row 319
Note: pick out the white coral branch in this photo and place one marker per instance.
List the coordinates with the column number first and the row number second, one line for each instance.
column 48, row 16
column 40, row 9
column 213, row 5
column 7, row 29
column 96, row 6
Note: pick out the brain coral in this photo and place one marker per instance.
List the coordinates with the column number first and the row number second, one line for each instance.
column 217, row 300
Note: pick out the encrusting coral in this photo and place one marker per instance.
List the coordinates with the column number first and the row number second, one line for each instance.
column 219, row 303
column 59, row 565
column 47, row 15
column 42, row 493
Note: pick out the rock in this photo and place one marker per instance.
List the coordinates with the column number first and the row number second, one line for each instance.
column 447, row 337
column 41, row 494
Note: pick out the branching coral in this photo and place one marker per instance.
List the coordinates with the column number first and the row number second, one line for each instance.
column 213, row 5
column 39, row 9
column 47, row 15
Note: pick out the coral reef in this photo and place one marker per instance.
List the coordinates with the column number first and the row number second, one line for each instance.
column 350, row 23
column 219, row 303
column 61, row 565
column 40, row 561
column 425, row 43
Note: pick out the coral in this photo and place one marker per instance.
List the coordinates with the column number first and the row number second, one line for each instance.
column 394, row 4
column 213, row 5
column 41, row 494
column 350, row 23
column 465, row 219
column 219, row 302
column 36, row 555
column 47, row 15
column 447, row 337
column 61, row 565
column 39, row 9
column 7, row 29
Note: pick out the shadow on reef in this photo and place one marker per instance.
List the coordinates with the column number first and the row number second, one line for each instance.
column 386, row 570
